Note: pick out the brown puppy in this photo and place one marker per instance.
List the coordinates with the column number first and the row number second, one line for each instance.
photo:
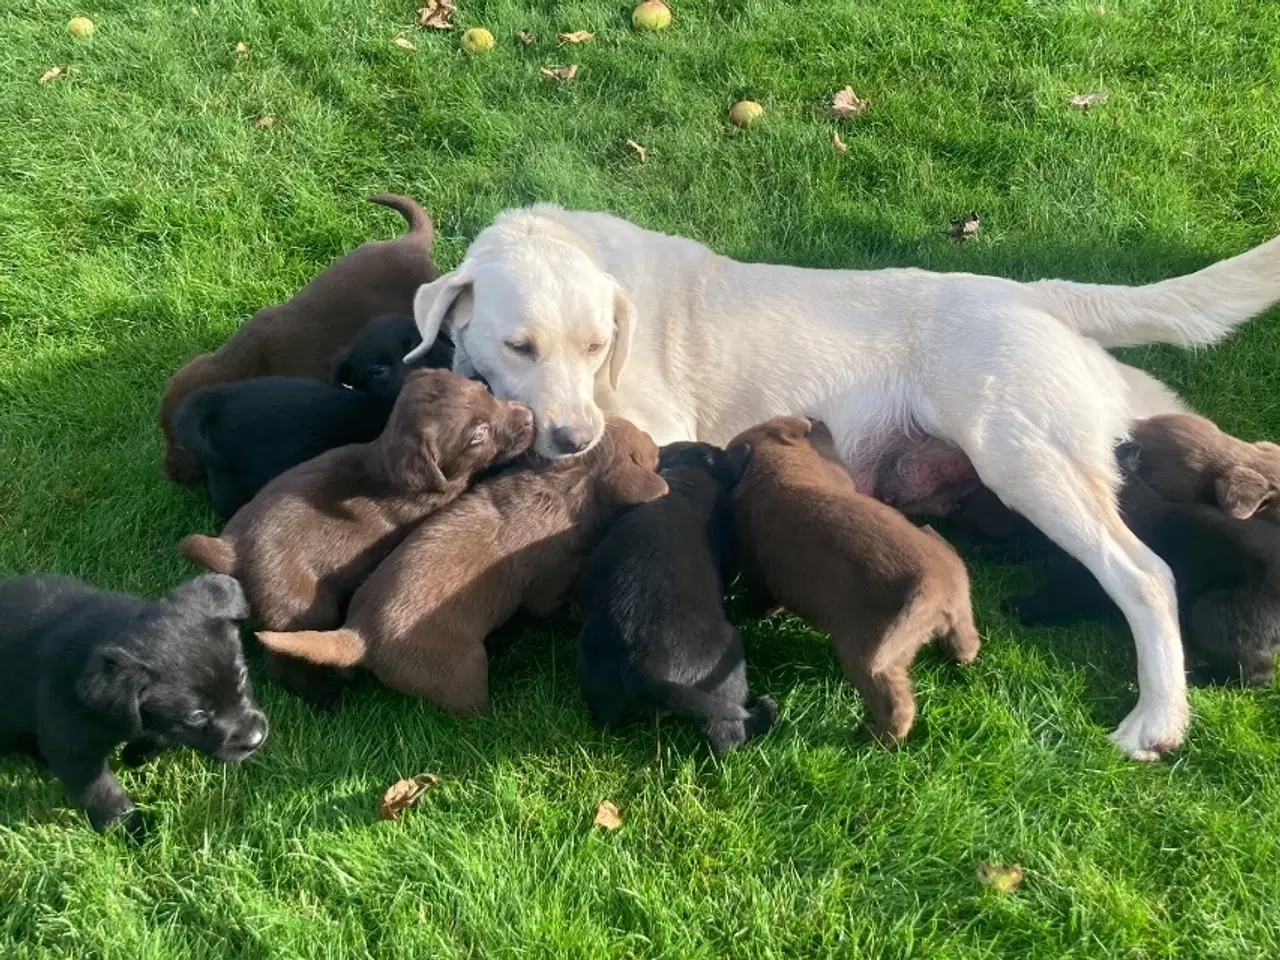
column 1187, row 459
column 517, row 540
column 303, row 545
column 848, row 564
column 299, row 338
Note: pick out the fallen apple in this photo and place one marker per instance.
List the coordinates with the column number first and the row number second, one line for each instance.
column 477, row 40
column 81, row 27
column 651, row 15
column 745, row 112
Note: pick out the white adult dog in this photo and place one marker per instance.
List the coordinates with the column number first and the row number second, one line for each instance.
column 576, row 314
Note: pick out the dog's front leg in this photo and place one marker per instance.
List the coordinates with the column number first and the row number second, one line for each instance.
column 95, row 789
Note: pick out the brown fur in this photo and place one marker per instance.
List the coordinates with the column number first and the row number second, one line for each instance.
column 304, row 544
column 1187, row 459
column 849, row 565
column 299, row 338
column 516, row 541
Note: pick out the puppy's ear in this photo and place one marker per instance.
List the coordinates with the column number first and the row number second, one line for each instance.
column 633, row 482
column 340, row 370
column 737, row 459
column 1241, row 491
column 412, row 461
column 218, row 595
column 624, row 321
column 1128, row 457
column 112, row 684
column 432, row 305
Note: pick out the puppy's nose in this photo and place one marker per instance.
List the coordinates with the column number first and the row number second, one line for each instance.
column 251, row 734
column 521, row 416
column 568, row 440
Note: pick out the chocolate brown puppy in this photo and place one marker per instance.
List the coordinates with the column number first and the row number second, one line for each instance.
column 1187, row 459
column 299, row 338
column 304, row 544
column 849, row 565
column 515, row 541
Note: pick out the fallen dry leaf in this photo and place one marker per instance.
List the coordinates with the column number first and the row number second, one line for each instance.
column 403, row 44
column 837, row 142
column 526, row 37
column 607, row 816
column 846, row 103
column 437, row 14
column 560, row 73
column 966, row 226
column 403, row 794
column 638, row 150
column 242, row 50
column 51, row 74
column 578, row 36
column 1086, row 101
column 263, row 122
column 998, row 878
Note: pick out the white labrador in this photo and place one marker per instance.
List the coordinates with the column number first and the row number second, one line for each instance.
column 576, row 313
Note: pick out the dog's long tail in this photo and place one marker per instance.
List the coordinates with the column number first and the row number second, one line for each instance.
column 418, row 219
column 328, row 648
column 212, row 553
column 1193, row 310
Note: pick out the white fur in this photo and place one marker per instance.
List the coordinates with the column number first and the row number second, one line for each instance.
column 1013, row 373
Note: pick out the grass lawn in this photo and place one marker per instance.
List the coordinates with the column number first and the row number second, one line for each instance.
column 144, row 214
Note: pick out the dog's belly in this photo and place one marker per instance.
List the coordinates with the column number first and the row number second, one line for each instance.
column 922, row 475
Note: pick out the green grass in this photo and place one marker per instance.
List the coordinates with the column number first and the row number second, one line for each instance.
column 142, row 217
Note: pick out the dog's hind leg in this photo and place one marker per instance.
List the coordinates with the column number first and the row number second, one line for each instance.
column 875, row 663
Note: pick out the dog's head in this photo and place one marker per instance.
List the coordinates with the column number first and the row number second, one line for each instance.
column 374, row 362
column 1251, row 486
column 445, row 428
column 725, row 467
column 626, row 460
column 534, row 313
column 780, row 431
column 177, row 676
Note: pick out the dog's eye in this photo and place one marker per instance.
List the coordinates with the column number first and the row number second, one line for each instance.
column 524, row 348
column 594, row 348
column 378, row 371
column 196, row 718
column 478, row 435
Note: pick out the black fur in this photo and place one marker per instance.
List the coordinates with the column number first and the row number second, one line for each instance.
column 654, row 633
column 374, row 363
column 83, row 670
column 1227, row 573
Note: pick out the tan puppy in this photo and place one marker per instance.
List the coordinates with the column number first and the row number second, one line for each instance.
column 303, row 545
column 1187, row 459
column 299, row 338
column 517, row 540
column 849, row 565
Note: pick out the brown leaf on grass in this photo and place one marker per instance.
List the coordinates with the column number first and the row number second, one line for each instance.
column 846, row 103
column 562, row 74
column 404, row 44
column 838, row 143
column 437, row 14
column 966, row 226
column 635, row 148
column 264, row 121
column 403, row 794
column 51, row 74
column 607, row 816
column 578, row 36
column 1000, row 878
column 526, row 37
column 1087, row 101
column 242, row 50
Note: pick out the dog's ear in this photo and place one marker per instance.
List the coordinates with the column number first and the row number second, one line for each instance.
column 624, row 322
column 1128, row 457
column 1241, row 491
column 112, row 684
column 634, row 482
column 432, row 305
column 340, row 370
column 412, row 460
column 737, row 458
column 217, row 594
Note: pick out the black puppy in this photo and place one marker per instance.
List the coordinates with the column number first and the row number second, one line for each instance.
column 1227, row 573
column 83, row 670
column 374, row 363
column 654, row 632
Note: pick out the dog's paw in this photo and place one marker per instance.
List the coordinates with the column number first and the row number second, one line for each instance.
column 1152, row 730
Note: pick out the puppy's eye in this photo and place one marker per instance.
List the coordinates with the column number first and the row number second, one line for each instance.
column 378, row 371
column 523, row 348
column 594, row 348
column 479, row 435
column 196, row 718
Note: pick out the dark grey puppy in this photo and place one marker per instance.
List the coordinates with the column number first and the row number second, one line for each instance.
column 374, row 363
column 84, row 670
column 654, row 632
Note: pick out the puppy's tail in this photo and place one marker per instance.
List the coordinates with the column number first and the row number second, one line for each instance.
column 212, row 553
column 328, row 648
column 1193, row 310
column 418, row 219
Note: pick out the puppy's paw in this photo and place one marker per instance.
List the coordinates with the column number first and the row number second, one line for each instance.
column 138, row 752
column 130, row 823
column 764, row 715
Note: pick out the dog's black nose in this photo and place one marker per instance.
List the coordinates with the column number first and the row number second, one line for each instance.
column 249, row 736
column 569, row 440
